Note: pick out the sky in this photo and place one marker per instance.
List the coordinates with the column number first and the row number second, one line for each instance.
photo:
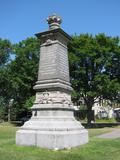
column 20, row 19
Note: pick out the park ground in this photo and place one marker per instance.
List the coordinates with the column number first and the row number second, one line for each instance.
column 96, row 149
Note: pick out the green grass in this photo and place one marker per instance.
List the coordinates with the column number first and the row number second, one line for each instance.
column 110, row 120
column 96, row 149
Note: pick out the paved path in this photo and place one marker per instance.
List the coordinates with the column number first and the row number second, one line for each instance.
column 113, row 134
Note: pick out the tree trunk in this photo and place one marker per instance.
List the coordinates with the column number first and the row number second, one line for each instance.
column 89, row 101
column 89, row 115
column 89, row 119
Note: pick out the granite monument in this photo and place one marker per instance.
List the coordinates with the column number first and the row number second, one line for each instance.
column 52, row 124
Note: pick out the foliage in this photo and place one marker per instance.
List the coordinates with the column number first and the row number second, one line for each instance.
column 91, row 75
column 2, row 108
column 29, row 102
column 5, row 49
column 20, row 75
column 24, row 73
column 94, row 70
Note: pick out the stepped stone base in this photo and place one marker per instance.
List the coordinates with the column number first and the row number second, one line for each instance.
column 53, row 128
column 51, row 140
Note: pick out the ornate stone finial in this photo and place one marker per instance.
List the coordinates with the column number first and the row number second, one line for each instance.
column 54, row 21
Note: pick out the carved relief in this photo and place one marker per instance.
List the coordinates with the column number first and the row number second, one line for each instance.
column 53, row 98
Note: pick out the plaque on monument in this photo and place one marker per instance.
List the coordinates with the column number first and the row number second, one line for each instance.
column 52, row 124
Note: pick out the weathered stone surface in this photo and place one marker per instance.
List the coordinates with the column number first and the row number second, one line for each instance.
column 53, row 127
column 53, row 68
column 52, row 139
column 53, row 97
column 26, row 137
column 52, row 124
column 53, row 62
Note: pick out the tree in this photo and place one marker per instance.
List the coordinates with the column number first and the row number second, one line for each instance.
column 2, row 108
column 113, row 69
column 24, row 73
column 5, row 51
column 90, row 58
column 18, row 76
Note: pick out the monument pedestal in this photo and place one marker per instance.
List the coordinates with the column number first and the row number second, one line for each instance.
column 54, row 127
column 52, row 124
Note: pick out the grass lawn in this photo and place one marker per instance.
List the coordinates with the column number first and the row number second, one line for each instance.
column 96, row 149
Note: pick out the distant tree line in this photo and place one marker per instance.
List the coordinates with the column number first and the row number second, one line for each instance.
column 94, row 72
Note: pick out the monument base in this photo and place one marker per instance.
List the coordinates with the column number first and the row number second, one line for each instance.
column 54, row 127
column 51, row 140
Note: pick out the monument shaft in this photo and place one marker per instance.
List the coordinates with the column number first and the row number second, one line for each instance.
column 53, row 66
column 52, row 124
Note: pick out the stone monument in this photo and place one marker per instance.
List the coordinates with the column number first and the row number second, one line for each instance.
column 52, row 124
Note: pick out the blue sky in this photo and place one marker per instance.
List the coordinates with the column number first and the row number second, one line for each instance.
column 20, row 19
